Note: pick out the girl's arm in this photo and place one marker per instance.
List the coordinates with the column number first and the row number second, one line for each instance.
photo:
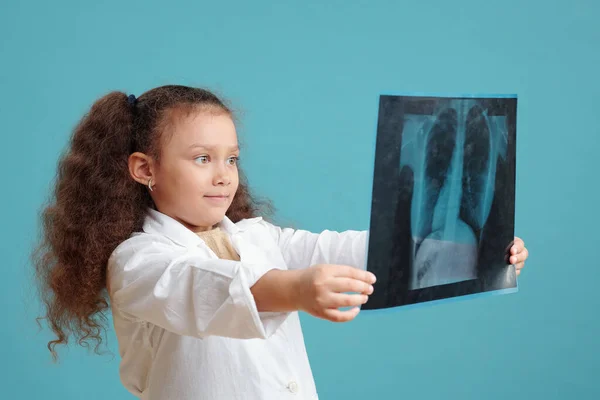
column 319, row 290
column 302, row 248
column 187, row 292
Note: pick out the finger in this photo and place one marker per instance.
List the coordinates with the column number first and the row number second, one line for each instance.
column 520, row 257
column 519, row 266
column 346, row 271
column 335, row 315
column 342, row 285
column 524, row 255
column 337, row 300
column 518, row 246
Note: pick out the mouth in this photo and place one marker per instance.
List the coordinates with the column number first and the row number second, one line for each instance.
column 217, row 197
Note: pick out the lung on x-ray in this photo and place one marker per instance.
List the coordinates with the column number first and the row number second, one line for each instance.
column 442, row 211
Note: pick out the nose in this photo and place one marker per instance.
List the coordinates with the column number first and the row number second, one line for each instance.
column 221, row 177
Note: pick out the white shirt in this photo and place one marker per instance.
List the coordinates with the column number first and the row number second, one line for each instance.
column 186, row 321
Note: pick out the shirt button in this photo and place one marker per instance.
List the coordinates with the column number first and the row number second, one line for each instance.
column 293, row 387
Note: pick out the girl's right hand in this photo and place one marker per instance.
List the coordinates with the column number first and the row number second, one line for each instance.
column 321, row 289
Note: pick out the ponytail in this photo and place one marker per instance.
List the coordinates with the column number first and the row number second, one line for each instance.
column 95, row 206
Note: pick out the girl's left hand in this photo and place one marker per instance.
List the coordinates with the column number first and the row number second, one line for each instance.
column 518, row 254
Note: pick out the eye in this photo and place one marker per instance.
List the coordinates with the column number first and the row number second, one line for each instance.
column 233, row 160
column 202, row 159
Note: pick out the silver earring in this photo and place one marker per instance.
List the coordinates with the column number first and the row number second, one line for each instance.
column 150, row 184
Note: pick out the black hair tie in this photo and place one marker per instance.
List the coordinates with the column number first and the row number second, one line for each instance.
column 131, row 100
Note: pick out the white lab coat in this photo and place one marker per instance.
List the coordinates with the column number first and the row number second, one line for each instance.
column 186, row 321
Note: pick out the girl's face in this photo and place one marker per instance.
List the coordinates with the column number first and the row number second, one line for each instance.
column 197, row 177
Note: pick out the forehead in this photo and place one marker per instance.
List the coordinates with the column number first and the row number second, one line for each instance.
column 211, row 128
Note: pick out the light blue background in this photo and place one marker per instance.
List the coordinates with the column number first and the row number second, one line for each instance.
column 306, row 76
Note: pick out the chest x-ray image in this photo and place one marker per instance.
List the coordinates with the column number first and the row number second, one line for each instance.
column 442, row 212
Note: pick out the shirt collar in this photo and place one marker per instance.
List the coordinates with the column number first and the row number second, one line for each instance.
column 159, row 223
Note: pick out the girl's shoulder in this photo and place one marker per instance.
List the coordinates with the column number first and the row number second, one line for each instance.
column 140, row 244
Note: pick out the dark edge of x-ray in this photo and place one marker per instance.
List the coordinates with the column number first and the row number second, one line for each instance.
column 442, row 211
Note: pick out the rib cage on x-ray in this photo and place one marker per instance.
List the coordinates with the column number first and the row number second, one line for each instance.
column 452, row 153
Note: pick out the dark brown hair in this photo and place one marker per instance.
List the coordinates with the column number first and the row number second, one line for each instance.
column 96, row 204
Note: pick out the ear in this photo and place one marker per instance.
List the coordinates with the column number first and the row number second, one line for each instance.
column 141, row 167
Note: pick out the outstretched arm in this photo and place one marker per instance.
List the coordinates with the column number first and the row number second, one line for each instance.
column 302, row 248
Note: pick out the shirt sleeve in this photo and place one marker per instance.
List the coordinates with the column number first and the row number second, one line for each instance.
column 187, row 292
column 302, row 249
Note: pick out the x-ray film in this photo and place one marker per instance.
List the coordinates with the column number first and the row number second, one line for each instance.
column 442, row 211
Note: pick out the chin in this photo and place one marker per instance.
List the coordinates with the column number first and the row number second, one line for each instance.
column 214, row 220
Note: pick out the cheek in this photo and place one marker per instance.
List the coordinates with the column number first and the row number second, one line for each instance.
column 235, row 180
column 183, row 180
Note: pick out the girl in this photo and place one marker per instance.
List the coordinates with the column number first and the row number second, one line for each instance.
column 153, row 216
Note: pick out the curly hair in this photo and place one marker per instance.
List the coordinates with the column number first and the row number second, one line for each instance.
column 96, row 204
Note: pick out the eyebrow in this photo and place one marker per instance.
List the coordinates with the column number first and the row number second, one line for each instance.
column 200, row 146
